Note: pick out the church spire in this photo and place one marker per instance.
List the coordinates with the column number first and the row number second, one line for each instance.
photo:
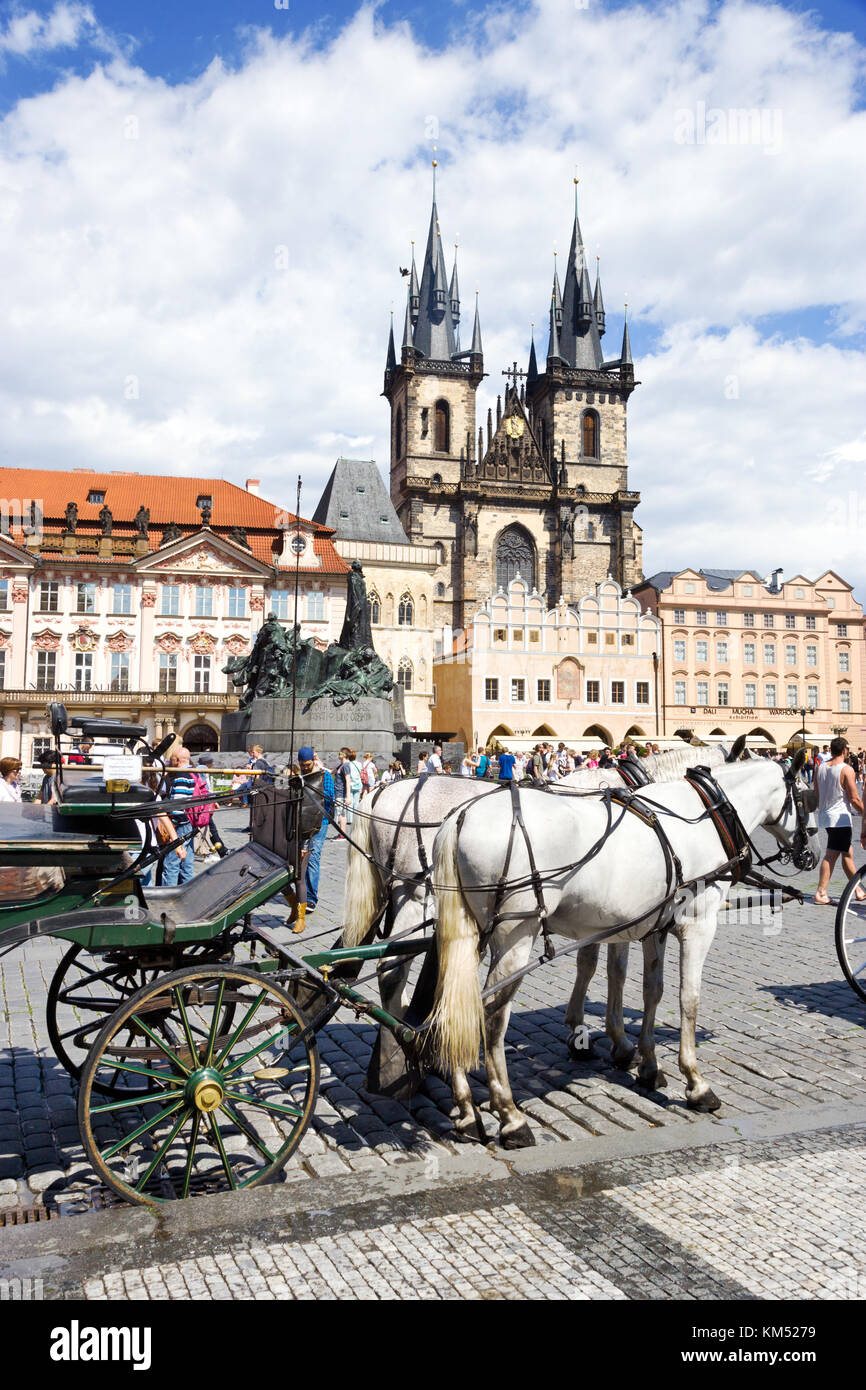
column 476, row 329
column 553, row 350
column 579, row 340
column 391, row 360
column 434, row 328
column 597, row 301
column 414, row 292
column 532, row 369
column 454, row 291
column 408, row 345
column 625, row 355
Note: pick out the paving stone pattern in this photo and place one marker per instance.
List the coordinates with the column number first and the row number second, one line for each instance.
column 779, row 1029
column 779, row 1220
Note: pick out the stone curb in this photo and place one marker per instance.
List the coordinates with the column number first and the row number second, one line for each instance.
column 56, row 1250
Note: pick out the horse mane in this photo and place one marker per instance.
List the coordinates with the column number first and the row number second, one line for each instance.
column 667, row 767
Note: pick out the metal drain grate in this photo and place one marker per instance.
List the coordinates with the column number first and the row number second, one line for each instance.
column 26, row 1216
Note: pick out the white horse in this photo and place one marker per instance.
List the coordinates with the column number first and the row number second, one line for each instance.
column 389, row 863
column 624, row 882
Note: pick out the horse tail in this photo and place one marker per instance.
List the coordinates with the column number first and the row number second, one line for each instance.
column 363, row 893
column 457, row 1019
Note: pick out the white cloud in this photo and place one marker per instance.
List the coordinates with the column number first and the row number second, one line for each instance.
column 232, row 245
column 29, row 34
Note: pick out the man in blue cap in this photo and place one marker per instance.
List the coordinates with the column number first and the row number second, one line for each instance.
column 308, row 764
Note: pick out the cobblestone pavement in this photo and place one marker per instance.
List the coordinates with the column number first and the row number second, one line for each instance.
column 780, row 1029
column 748, row 1220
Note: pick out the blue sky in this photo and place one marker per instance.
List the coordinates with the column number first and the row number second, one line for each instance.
column 159, row 160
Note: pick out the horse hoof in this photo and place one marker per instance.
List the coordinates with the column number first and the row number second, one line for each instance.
column 473, row 1131
column 707, row 1102
column 520, row 1138
column 652, row 1081
column 622, row 1059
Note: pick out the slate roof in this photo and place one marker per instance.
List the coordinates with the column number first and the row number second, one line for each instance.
column 717, row 579
column 356, row 505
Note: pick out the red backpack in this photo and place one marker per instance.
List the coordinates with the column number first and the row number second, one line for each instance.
column 199, row 816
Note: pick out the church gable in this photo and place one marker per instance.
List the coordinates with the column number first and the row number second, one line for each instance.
column 513, row 453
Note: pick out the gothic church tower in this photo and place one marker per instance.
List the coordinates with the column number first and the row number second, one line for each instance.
column 545, row 492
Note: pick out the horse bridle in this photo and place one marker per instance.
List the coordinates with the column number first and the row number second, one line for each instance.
column 800, row 854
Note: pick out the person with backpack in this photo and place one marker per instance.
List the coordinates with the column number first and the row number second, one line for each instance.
column 351, row 782
column 369, row 774
column 482, row 763
column 203, row 817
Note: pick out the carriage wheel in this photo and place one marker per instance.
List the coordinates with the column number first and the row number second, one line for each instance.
column 851, row 935
column 218, row 1109
column 85, row 989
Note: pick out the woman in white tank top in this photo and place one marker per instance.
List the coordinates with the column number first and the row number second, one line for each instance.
column 837, row 802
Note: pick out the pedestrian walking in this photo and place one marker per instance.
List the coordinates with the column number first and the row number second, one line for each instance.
column 506, row 764
column 369, row 774
column 308, row 763
column 179, row 864
column 837, row 799
column 434, row 762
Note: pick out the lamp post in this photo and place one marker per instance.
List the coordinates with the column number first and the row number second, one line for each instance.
column 806, row 709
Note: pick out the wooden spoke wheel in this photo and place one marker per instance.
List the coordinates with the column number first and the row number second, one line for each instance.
column 851, row 934
column 219, row 1108
column 85, row 989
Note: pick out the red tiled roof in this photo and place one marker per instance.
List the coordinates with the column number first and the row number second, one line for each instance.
column 168, row 499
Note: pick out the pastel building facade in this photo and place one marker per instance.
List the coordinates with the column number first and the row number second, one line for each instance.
column 586, row 674
column 765, row 658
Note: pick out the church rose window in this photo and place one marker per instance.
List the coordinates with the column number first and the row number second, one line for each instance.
column 514, row 556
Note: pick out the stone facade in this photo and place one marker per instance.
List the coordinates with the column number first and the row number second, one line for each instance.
column 553, row 464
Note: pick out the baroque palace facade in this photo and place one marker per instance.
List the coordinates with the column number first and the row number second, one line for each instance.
column 764, row 658
column 125, row 594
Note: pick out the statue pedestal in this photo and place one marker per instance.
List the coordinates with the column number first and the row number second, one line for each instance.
column 367, row 726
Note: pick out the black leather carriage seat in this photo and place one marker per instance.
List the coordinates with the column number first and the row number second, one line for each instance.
column 213, row 892
column 24, row 824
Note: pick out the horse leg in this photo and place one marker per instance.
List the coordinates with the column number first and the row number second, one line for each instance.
column 514, row 1131
column 653, row 983
column 695, row 937
column 389, row 1072
column 623, row 1049
column 468, row 1127
column 579, row 1046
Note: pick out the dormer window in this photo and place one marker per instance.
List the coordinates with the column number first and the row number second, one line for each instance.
column 205, row 500
column 299, row 545
column 95, row 499
column 360, row 487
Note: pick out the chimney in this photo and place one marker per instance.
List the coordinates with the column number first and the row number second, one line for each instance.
column 253, row 485
column 776, row 585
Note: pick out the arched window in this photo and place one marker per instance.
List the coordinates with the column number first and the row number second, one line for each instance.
column 590, row 434
column 440, row 553
column 406, row 611
column 515, row 554
column 442, row 442
column 404, row 674
column 398, row 431
column 375, row 608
